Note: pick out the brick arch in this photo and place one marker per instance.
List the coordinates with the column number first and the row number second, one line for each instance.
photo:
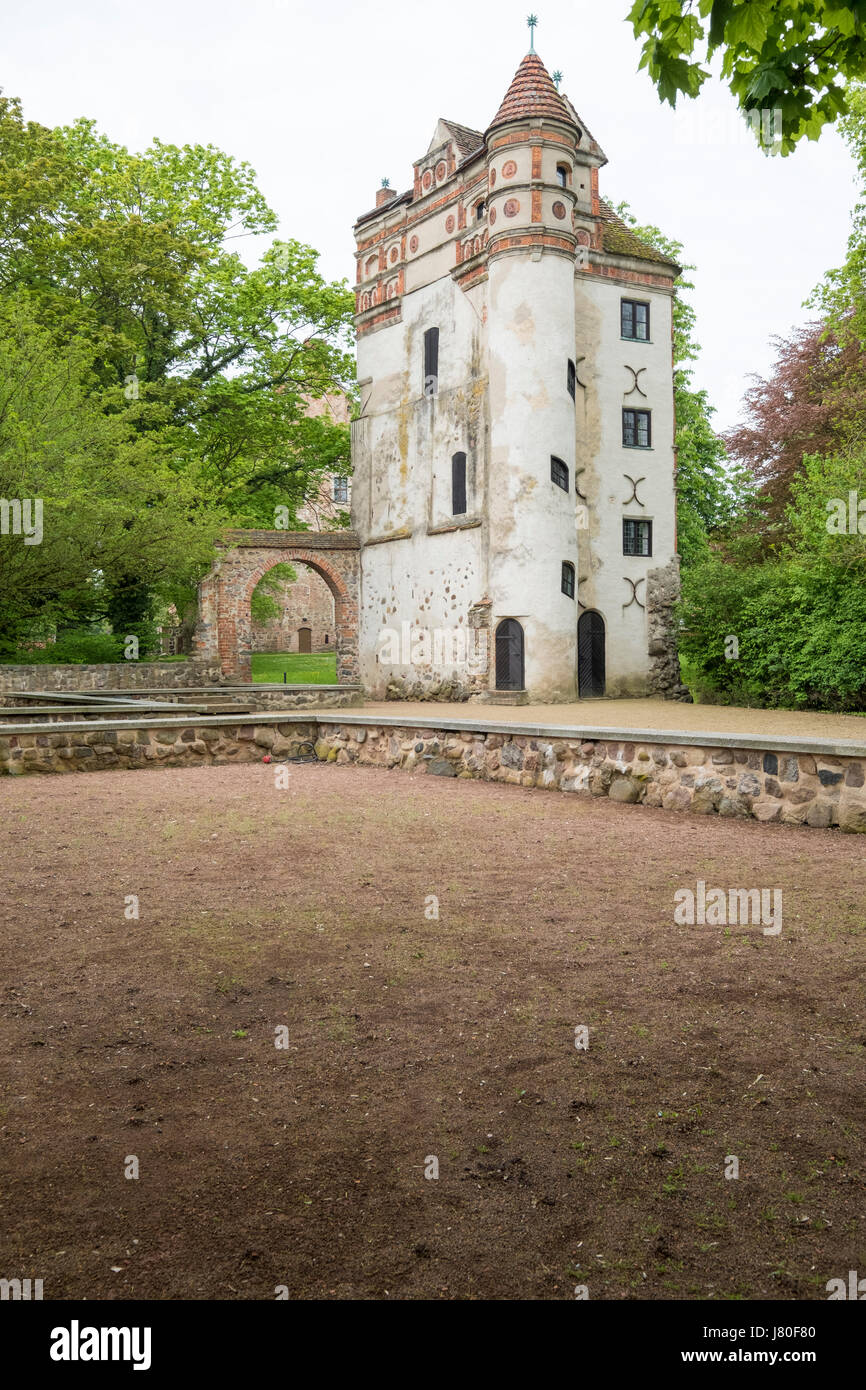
column 224, row 631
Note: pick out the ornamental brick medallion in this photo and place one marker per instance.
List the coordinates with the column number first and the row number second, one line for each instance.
column 559, row 210
column 583, row 237
column 449, row 225
column 441, row 170
column 395, row 253
column 427, row 180
column 492, row 177
column 509, row 169
column 413, row 245
column 512, row 208
column 492, row 218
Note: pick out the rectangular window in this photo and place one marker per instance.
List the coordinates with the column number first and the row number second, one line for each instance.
column 637, row 537
column 341, row 489
column 567, row 579
column 635, row 319
column 559, row 473
column 431, row 362
column 637, row 429
column 572, row 379
column 458, row 485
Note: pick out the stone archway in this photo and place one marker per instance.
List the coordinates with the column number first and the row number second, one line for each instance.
column 224, row 629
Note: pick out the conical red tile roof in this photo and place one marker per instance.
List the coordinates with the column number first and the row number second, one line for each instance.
column 532, row 93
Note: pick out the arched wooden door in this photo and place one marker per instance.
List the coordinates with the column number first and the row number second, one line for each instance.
column 590, row 656
column 305, row 640
column 509, row 655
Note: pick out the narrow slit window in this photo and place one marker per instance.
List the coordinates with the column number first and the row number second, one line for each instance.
column 559, row 473
column 431, row 362
column 637, row 537
column 637, row 429
column 567, row 579
column 458, row 485
column 572, row 379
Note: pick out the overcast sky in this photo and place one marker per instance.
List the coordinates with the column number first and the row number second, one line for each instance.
column 325, row 99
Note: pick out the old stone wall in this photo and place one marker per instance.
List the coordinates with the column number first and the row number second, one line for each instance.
column 117, row 675
column 791, row 788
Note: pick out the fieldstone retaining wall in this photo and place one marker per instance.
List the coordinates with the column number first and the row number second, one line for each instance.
column 115, row 675
column 815, row 789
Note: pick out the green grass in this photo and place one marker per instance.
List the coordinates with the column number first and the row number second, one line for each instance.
column 318, row 669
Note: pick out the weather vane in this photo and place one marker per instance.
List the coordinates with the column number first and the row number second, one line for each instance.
column 386, row 183
column 532, row 21
column 557, row 78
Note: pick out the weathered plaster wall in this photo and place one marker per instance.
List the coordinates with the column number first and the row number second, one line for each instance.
column 608, row 387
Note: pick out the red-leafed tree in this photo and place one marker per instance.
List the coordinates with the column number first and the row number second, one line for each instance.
column 814, row 402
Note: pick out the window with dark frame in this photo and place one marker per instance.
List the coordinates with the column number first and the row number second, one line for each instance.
column 562, row 175
column 635, row 319
column 637, row 537
column 559, row 473
column 567, row 579
column 480, row 211
column 637, row 429
column 572, row 379
column 431, row 362
column 458, row 485
column 341, row 489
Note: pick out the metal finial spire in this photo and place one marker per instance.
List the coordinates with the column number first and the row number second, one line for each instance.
column 557, row 78
column 386, row 183
column 532, row 20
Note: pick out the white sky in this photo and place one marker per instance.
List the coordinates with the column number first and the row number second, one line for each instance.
column 325, row 99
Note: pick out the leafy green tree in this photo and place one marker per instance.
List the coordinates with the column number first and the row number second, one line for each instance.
column 793, row 56
column 112, row 502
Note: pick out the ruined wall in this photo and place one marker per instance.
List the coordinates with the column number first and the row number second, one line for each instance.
column 306, row 603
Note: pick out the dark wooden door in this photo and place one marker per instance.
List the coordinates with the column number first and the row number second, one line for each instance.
column 305, row 640
column 590, row 656
column 509, row 655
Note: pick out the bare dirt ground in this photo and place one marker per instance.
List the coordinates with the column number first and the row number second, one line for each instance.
column 411, row 1038
column 641, row 714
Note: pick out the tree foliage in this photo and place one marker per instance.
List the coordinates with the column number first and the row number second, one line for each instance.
column 185, row 366
column 793, row 56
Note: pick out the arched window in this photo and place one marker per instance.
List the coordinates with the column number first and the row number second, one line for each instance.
column 559, row 473
column 567, row 579
column 509, row 655
column 458, row 485
column 590, row 656
column 431, row 362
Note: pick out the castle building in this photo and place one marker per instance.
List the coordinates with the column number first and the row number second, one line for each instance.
column 514, row 464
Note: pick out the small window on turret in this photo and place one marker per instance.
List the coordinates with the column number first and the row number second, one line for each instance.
column 567, row 579
column 562, row 172
column 559, row 473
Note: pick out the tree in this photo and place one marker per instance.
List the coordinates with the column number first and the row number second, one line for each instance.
column 111, row 501
column 811, row 403
column 198, row 363
column 792, row 56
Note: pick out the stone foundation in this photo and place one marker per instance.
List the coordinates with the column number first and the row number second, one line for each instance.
column 812, row 789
